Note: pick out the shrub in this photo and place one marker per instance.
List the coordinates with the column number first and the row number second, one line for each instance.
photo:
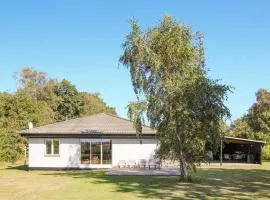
column 266, row 152
column 12, row 146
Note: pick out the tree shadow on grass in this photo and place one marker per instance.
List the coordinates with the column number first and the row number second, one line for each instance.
column 209, row 183
column 17, row 167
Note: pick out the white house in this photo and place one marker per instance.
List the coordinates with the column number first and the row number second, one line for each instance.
column 97, row 141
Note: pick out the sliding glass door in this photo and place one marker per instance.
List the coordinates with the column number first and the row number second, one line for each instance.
column 107, row 152
column 85, row 152
column 96, row 152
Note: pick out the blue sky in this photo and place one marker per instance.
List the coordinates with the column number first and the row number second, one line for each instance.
column 81, row 41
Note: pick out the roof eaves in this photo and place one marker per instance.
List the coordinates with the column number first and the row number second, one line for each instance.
column 243, row 139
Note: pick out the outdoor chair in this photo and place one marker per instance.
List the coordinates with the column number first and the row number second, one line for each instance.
column 131, row 164
column 142, row 163
column 238, row 157
column 121, row 163
column 226, row 157
column 152, row 163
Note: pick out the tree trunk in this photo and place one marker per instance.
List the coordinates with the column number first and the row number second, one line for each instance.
column 184, row 175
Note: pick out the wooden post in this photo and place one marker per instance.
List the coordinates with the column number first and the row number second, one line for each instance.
column 25, row 152
column 25, row 156
column 221, row 144
column 261, row 154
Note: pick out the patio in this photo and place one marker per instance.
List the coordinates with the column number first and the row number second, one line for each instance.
column 142, row 172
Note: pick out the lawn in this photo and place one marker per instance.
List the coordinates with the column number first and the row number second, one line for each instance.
column 235, row 182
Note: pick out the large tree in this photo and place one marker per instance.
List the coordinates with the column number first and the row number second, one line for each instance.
column 259, row 113
column 63, row 97
column 40, row 100
column 256, row 123
column 37, row 85
column 16, row 111
column 70, row 103
column 12, row 146
column 93, row 104
column 167, row 69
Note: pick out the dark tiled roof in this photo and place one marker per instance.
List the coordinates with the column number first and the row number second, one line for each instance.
column 95, row 124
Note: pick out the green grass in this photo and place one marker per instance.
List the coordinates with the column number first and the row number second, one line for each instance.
column 235, row 182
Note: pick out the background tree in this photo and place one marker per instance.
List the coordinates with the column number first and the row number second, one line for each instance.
column 31, row 81
column 40, row 100
column 16, row 111
column 12, row 146
column 167, row 70
column 93, row 104
column 259, row 113
column 19, row 109
column 241, row 128
column 37, row 85
column 70, row 103
column 256, row 123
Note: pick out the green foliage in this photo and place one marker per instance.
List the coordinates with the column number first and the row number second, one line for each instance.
column 93, row 104
column 166, row 66
column 241, row 128
column 37, row 85
column 266, row 152
column 135, row 113
column 42, row 101
column 256, row 123
column 31, row 82
column 12, row 146
column 259, row 113
column 18, row 109
column 70, row 103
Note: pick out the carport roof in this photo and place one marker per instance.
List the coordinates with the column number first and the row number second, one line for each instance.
column 241, row 140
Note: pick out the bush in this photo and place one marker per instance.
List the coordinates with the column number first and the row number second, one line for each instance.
column 266, row 152
column 12, row 146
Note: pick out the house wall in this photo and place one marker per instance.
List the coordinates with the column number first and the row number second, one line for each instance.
column 131, row 149
column 69, row 157
column 69, row 153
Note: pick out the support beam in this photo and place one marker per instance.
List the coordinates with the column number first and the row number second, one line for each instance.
column 260, row 154
column 221, row 147
column 25, row 152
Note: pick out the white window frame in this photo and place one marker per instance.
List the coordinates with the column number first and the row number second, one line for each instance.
column 52, row 147
column 101, row 150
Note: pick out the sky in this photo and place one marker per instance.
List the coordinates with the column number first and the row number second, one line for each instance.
column 81, row 41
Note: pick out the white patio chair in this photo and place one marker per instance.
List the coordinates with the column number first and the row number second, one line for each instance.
column 226, row 156
column 142, row 163
column 238, row 156
column 152, row 163
column 131, row 164
column 122, row 163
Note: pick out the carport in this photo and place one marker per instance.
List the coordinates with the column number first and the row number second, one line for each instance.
column 240, row 150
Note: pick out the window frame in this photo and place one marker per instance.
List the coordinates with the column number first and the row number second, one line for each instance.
column 101, row 141
column 110, row 148
column 52, row 140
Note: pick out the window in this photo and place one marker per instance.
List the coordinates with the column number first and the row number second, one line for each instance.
column 52, row 147
column 55, row 146
column 48, row 147
column 96, row 152
column 85, row 152
column 106, row 152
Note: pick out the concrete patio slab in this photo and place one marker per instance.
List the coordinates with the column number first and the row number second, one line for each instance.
column 142, row 172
